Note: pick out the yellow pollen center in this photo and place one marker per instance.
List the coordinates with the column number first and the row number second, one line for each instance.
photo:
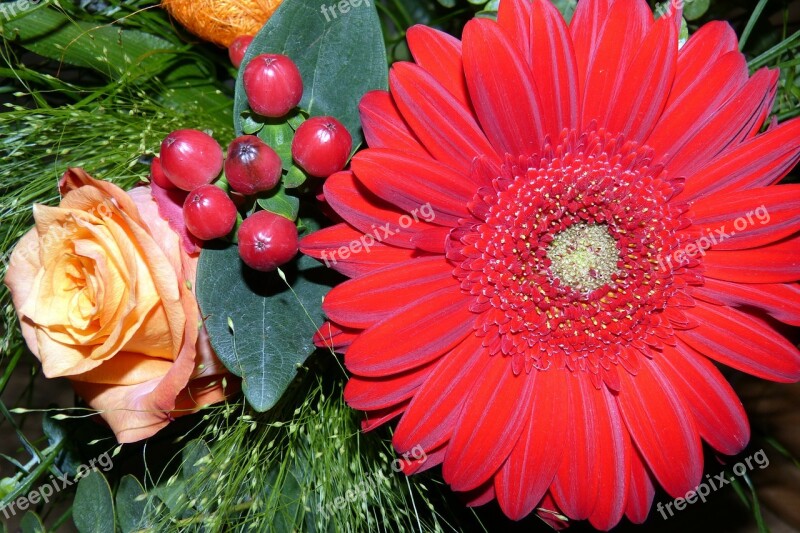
column 583, row 256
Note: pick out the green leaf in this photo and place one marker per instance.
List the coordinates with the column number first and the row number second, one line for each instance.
column 281, row 203
column 195, row 454
column 131, row 503
column 93, row 508
column 31, row 523
column 340, row 57
column 694, row 9
column 294, row 177
column 279, row 137
column 107, row 49
column 260, row 329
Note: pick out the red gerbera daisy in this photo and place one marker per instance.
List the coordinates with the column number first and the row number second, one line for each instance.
column 554, row 230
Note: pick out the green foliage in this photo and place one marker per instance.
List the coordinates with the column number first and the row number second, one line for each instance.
column 340, row 58
column 93, row 508
column 260, row 324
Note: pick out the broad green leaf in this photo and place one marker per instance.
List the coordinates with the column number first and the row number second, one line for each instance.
column 110, row 50
column 131, row 504
column 341, row 56
column 31, row 523
column 281, row 203
column 260, row 329
column 93, row 508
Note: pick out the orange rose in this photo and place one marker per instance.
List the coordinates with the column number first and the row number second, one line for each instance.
column 103, row 290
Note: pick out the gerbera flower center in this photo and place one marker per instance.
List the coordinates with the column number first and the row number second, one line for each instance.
column 583, row 256
column 564, row 261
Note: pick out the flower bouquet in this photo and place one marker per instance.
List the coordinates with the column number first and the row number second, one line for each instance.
column 399, row 265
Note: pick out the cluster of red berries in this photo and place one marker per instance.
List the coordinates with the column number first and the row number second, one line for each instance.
column 272, row 82
column 191, row 160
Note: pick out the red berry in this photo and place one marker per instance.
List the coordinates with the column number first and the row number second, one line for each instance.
column 267, row 240
column 190, row 158
column 209, row 213
column 273, row 85
column 157, row 175
column 252, row 166
column 321, row 146
column 238, row 49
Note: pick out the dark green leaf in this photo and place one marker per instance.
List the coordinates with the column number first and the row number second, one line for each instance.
column 261, row 330
column 281, row 203
column 93, row 508
column 295, row 177
column 340, row 56
column 195, row 454
column 131, row 503
column 107, row 49
column 279, row 137
column 31, row 523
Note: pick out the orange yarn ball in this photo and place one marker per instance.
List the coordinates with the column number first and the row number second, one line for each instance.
column 221, row 21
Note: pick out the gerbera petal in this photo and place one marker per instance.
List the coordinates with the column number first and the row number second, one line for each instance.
column 368, row 213
column 614, row 468
column 751, row 218
column 376, row 419
column 689, row 108
column 705, row 47
column 716, row 409
column 758, row 162
column 640, row 490
column 774, row 263
column 514, row 18
column 445, row 127
column 737, row 120
column 384, row 127
column 432, row 414
column 335, row 337
column 439, row 54
column 780, row 300
column 413, row 336
column 530, row 468
column 507, row 103
column 361, row 302
column 411, row 183
column 585, row 28
column 371, row 394
column 658, row 423
column 576, row 483
column 743, row 342
column 555, row 71
column 624, row 30
column 490, row 424
column 335, row 246
column 643, row 90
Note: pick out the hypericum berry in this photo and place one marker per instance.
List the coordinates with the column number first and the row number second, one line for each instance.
column 321, row 146
column 252, row 166
column 273, row 85
column 267, row 240
column 238, row 49
column 209, row 213
column 157, row 175
column 190, row 158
